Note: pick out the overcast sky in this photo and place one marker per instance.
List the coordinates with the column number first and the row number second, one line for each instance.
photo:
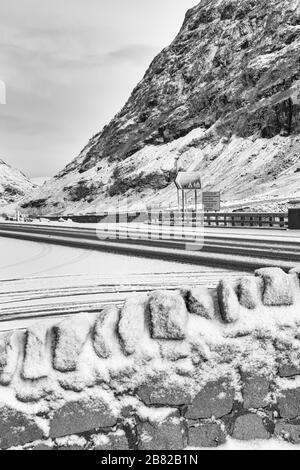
column 69, row 66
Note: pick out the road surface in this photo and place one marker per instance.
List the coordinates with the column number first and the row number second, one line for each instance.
column 22, row 258
column 76, row 269
column 224, row 247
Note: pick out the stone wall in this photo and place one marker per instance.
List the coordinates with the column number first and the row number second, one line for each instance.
column 170, row 370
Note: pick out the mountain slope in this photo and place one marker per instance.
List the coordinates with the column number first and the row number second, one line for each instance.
column 14, row 185
column 224, row 96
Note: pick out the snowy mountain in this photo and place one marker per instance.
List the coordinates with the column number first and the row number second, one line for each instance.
column 224, row 96
column 14, row 185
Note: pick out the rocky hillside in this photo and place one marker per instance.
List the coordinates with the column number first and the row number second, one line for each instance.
column 224, row 96
column 14, row 185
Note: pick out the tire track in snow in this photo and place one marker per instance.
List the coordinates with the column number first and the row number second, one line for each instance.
column 44, row 251
column 83, row 255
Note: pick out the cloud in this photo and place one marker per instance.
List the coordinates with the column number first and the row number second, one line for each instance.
column 135, row 53
column 17, row 124
column 74, row 56
column 2, row 92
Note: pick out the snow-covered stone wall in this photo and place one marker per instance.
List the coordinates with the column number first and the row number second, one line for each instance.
column 170, row 370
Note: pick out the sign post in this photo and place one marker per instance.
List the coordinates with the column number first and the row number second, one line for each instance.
column 211, row 201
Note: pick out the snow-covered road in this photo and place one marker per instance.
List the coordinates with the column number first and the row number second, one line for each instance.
column 38, row 280
column 19, row 258
column 237, row 249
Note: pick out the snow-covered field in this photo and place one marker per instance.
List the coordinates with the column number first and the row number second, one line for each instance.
column 40, row 279
column 20, row 258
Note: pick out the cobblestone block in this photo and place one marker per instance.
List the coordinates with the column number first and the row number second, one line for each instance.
column 289, row 403
column 228, row 302
column 8, row 357
column 70, row 337
column 206, row 434
column 288, row 370
column 165, row 435
column 249, row 427
column 168, row 315
column 36, row 363
column 76, row 417
column 288, row 432
column 277, row 287
column 249, row 292
column 156, row 394
column 132, row 324
column 199, row 301
column 17, row 428
column 104, row 333
column 214, row 400
column 255, row 391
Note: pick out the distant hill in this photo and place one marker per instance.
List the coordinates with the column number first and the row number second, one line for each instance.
column 14, row 185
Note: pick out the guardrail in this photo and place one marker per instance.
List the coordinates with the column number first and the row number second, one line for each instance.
column 247, row 219
column 221, row 219
column 275, row 220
